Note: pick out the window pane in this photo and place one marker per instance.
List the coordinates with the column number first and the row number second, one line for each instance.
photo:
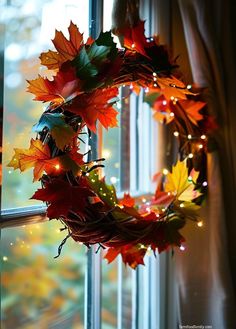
column 126, row 301
column 39, row 291
column 30, row 28
column 109, row 295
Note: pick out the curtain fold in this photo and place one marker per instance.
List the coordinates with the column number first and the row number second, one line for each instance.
column 206, row 272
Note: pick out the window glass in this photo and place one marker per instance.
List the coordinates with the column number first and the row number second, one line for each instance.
column 109, row 295
column 30, row 27
column 39, row 291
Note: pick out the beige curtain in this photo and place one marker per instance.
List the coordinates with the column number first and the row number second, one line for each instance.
column 206, row 272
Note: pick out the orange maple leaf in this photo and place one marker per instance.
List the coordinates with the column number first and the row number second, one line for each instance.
column 192, row 109
column 68, row 49
column 173, row 87
column 51, row 59
column 63, row 87
column 37, row 156
column 95, row 106
column 127, row 201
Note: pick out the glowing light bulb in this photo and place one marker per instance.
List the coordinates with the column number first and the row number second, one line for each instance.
column 182, row 248
column 189, row 86
column 5, row 258
column 133, row 45
column 181, row 205
column 189, row 136
column 155, row 79
column 172, row 98
column 190, row 178
column 203, row 137
column 172, row 114
column 200, row 146
column 57, row 166
column 154, row 74
column 131, row 86
column 144, row 200
column 204, row 184
column 113, row 180
column 165, row 171
column 190, row 155
column 164, row 102
column 200, row 224
column 146, row 90
column 176, row 133
column 155, row 85
column 106, row 153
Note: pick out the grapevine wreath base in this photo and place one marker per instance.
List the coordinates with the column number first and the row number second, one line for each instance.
column 84, row 90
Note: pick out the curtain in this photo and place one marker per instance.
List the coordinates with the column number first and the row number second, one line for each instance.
column 206, row 272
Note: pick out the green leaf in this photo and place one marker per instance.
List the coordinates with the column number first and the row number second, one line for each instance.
column 59, row 129
column 107, row 193
column 106, row 39
column 150, row 98
column 84, row 68
column 98, row 54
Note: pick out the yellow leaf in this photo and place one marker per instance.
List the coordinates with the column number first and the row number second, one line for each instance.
column 51, row 59
column 179, row 184
column 37, row 156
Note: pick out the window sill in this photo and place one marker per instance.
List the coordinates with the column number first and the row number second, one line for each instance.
column 36, row 214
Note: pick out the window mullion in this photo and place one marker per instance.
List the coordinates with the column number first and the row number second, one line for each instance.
column 120, row 295
column 125, row 140
column 93, row 273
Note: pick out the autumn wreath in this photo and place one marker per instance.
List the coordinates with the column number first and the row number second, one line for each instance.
column 84, row 90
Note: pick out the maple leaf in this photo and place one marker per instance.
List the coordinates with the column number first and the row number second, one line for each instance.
column 131, row 254
column 127, row 201
column 162, row 198
column 68, row 49
column 172, row 87
column 51, row 59
column 59, row 129
column 62, row 197
column 179, row 184
column 37, row 156
column 95, row 106
column 92, row 63
column 192, row 109
column 63, row 87
column 162, row 110
column 134, row 38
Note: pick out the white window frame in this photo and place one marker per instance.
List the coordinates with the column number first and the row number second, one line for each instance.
column 148, row 302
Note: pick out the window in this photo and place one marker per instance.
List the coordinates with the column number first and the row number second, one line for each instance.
column 77, row 290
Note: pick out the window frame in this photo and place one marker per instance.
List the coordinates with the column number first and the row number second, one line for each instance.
column 153, row 315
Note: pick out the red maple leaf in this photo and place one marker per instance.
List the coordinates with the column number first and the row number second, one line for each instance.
column 131, row 254
column 62, row 197
column 95, row 106
column 127, row 201
column 134, row 38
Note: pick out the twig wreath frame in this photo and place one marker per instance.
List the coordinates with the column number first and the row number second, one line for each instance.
column 84, row 90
